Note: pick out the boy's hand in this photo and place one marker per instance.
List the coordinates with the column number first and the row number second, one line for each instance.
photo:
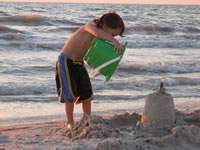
column 117, row 47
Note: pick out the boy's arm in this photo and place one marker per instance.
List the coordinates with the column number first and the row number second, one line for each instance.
column 99, row 33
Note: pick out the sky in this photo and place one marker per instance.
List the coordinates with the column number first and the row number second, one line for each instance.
column 182, row 2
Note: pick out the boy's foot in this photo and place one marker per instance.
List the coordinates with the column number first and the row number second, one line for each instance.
column 69, row 126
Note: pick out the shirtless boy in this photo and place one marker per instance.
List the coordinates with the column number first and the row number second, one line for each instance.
column 72, row 79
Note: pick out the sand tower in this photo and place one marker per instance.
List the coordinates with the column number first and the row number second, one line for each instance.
column 158, row 117
column 159, row 108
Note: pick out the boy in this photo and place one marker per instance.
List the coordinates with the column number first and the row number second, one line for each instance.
column 73, row 83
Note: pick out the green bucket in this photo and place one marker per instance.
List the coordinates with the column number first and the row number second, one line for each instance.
column 102, row 57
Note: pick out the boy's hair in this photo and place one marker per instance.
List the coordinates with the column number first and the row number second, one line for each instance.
column 112, row 20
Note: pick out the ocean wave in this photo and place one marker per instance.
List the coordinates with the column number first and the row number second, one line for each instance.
column 154, row 82
column 49, row 45
column 30, row 20
column 156, row 42
column 154, row 29
column 170, row 82
column 192, row 37
column 28, row 98
column 114, row 97
column 3, row 13
column 12, row 36
column 61, row 29
column 28, row 70
column 4, row 29
column 29, row 88
column 192, row 30
column 174, row 85
column 149, row 28
column 140, row 88
column 25, row 45
column 160, row 68
column 40, row 68
column 65, row 22
column 173, row 81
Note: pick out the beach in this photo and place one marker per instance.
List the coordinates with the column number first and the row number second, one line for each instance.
column 103, row 133
column 163, row 46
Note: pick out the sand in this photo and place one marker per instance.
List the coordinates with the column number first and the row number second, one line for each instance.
column 117, row 132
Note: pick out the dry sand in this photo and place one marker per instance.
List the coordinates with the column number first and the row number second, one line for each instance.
column 118, row 132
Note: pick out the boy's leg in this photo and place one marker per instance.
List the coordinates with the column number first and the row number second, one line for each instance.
column 69, row 109
column 86, row 107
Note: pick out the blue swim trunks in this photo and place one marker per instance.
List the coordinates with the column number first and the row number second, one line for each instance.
column 72, row 80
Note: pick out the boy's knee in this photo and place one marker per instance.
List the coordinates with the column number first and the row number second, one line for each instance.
column 86, row 102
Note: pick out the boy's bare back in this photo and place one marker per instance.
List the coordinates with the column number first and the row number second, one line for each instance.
column 78, row 44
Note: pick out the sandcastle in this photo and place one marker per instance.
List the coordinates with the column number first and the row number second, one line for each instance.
column 159, row 108
column 158, row 112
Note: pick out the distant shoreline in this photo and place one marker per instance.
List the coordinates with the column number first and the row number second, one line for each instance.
column 100, row 2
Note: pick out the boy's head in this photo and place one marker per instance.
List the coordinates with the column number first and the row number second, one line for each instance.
column 111, row 20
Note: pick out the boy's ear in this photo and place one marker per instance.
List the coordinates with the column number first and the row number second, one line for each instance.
column 105, row 26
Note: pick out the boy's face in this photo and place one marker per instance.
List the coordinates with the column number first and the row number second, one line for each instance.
column 112, row 32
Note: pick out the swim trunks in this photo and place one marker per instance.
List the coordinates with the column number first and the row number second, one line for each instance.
column 72, row 80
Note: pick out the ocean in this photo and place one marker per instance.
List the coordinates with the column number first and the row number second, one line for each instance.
column 164, row 46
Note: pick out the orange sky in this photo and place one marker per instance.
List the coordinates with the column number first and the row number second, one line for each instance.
column 186, row 2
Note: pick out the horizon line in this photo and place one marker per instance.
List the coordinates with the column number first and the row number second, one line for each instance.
column 99, row 3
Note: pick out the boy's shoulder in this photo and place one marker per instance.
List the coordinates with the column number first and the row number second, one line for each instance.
column 90, row 26
column 82, row 34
